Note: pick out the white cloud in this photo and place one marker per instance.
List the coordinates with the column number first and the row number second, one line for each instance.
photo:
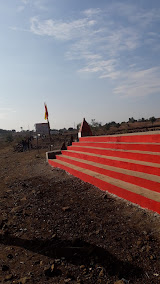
column 60, row 30
column 139, row 83
column 93, row 42
column 103, row 42
column 91, row 12
column 136, row 15
column 101, row 66
column 37, row 4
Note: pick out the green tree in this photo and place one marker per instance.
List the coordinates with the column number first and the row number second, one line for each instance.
column 95, row 123
column 131, row 119
column 78, row 126
column 152, row 119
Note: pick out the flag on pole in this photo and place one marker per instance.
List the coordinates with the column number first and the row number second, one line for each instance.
column 46, row 112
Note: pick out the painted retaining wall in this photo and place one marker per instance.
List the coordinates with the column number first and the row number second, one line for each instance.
column 125, row 165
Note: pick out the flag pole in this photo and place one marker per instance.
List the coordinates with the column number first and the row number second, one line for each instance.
column 49, row 132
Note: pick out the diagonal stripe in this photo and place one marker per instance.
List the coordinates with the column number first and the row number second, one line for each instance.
column 125, row 185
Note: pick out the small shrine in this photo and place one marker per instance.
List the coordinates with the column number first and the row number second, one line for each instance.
column 85, row 129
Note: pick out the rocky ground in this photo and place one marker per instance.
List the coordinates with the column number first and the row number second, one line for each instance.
column 54, row 228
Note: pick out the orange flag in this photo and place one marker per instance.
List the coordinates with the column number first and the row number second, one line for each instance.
column 46, row 112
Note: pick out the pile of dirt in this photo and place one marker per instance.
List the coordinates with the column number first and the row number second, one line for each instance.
column 54, row 228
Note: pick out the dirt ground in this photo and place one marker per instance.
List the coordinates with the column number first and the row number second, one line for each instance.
column 54, row 228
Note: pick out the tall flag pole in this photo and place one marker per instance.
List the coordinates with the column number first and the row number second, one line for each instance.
column 46, row 118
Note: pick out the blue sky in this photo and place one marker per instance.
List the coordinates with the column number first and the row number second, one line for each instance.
column 94, row 59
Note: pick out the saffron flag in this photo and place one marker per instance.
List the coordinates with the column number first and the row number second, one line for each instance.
column 46, row 112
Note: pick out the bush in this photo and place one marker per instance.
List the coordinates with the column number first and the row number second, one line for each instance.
column 9, row 138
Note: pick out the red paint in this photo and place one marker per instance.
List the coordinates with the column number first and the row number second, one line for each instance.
column 134, row 147
column 117, row 150
column 85, row 129
column 151, row 185
column 121, row 154
column 125, row 194
column 115, row 163
column 143, row 138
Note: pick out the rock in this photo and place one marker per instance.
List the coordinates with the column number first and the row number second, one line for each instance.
column 10, row 256
column 16, row 209
column 8, row 277
column 105, row 196
column 125, row 281
column 67, row 208
column 67, row 280
column 57, row 261
column 54, row 236
column 23, row 280
column 148, row 248
column 37, row 262
column 139, row 243
column 119, row 282
column 3, row 223
column 24, row 198
column 52, row 271
column 84, row 271
column 101, row 274
column 152, row 257
column 5, row 267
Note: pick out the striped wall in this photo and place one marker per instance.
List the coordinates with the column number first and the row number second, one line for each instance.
column 125, row 165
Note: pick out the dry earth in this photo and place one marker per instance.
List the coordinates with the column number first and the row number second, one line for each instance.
column 54, row 228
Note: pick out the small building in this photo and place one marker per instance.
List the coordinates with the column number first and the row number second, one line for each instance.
column 42, row 128
column 85, row 129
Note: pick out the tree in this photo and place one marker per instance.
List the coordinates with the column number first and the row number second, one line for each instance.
column 152, row 119
column 141, row 119
column 95, row 123
column 131, row 119
column 78, row 126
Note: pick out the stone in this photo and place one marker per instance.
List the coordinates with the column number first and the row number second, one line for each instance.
column 8, row 277
column 101, row 274
column 152, row 257
column 52, row 271
column 10, row 256
column 23, row 280
column 139, row 243
column 67, row 208
column 67, row 280
column 5, row 267
column 54, row 236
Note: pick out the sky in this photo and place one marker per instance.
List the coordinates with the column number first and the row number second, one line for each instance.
column 94, row 59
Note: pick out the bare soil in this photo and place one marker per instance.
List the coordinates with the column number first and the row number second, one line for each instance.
column 54, row 228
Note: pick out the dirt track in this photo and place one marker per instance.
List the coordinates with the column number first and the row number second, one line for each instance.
column 54, row 228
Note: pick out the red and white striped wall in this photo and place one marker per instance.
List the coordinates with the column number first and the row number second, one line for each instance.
column 125, row 165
